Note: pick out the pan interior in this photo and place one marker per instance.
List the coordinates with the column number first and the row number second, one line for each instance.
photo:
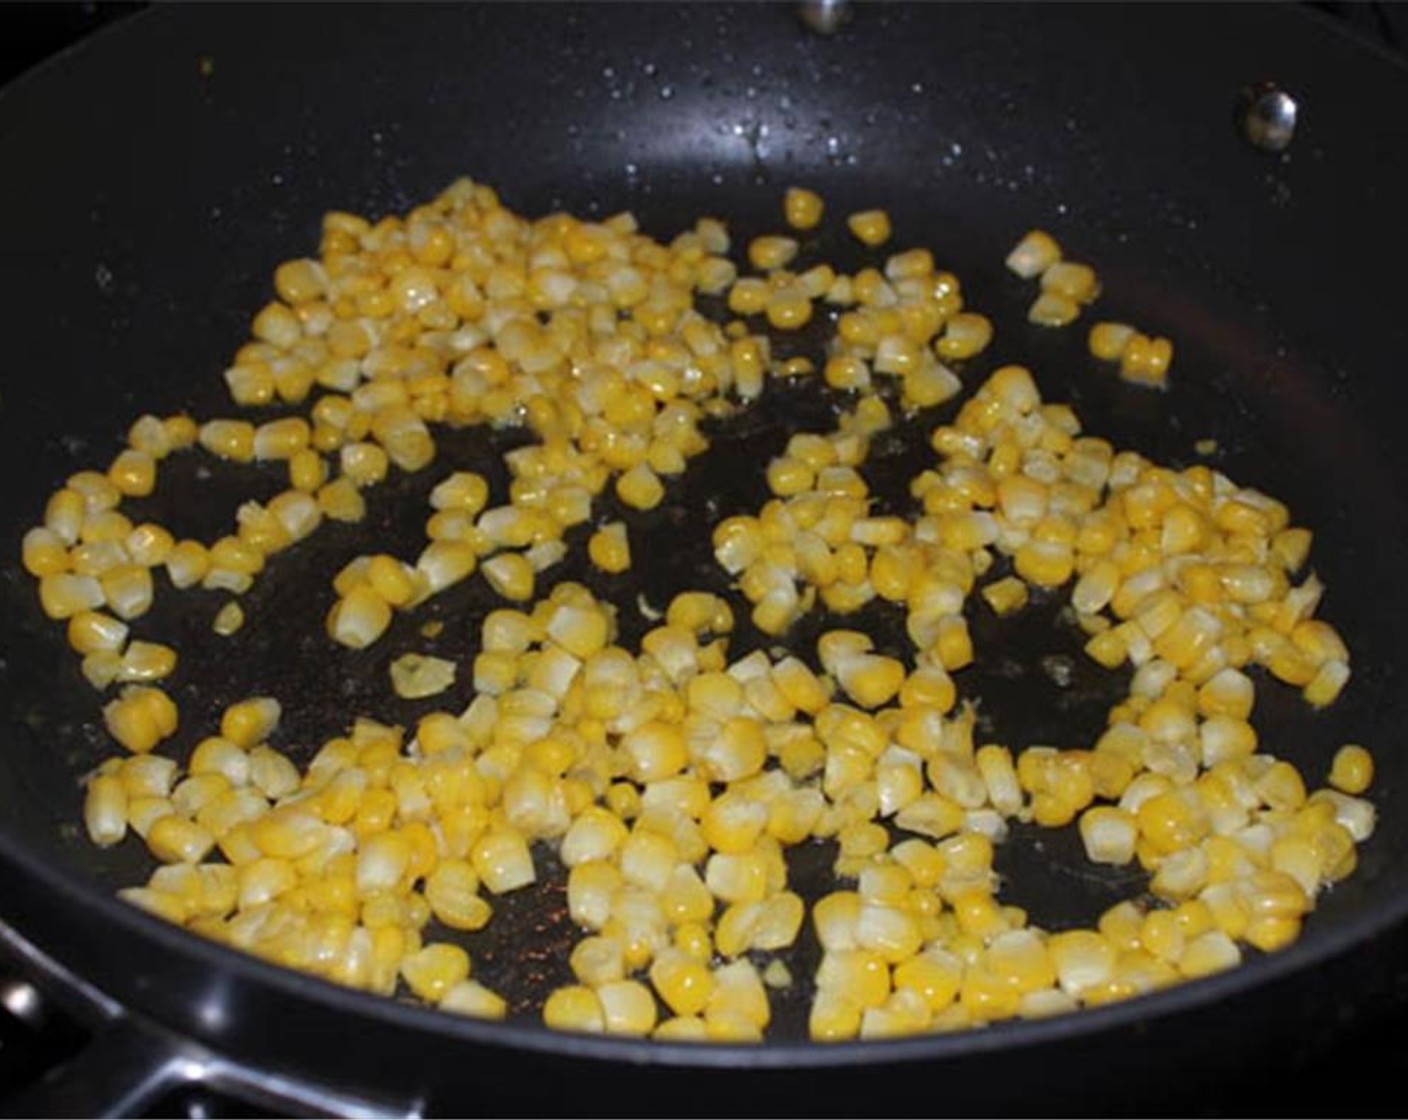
column 135, row 284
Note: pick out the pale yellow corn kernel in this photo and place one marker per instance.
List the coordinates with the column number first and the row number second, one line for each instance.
column 609, row 548
column 1020, row 959
column 869, row 679
column 1221, row 738
column 802, row 208
column 65, row 513
column 682, row 982
column 1073, row 281
column 228, row 439
column 174, row 839
column 1082, row 959
column 442, row 564
column 218, row 755
column 1005, row 596
column 737, row 878
column 452, row 890
column 187, row 564
column 340, row 500
column 273, row 774
column 863, row 977
column 1208, row 953
column 574, row 1007
column 1328, row 682
column 307, row 470
column 471, row 998
column 1033, row 254
column 1352, row 769
column 1109, row 834
column 391, row 579
column 432, row 971
column 870, row 227
column 682, row 1028
column 596, row 961
column 1145, row 360
column 44, row 552
column 1173, row 820
column 834, row 1017
column 140, row 718
column 281, row 439
column 628, row 1008
column 228, row 619
column 146, row 661
column 771, row 252
column 359, row 618
column 89, row 631
column 1052, row 309
column 250, row 722
column 65, row 594
column 127, row 589
column 1228, row 692
column 105, row 810
column 147, row 775
column 965, row 335
column 890, row 931
column 133, row 473
column 748, row 296
column 502, row 861
column 1108, row 340
column 952, row 646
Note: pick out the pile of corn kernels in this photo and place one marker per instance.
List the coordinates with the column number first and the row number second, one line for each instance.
column 671, row 778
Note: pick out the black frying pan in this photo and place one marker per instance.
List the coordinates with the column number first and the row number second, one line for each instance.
column 155, row 176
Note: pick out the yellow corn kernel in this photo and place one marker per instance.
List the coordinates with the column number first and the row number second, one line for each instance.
column 574, row 1008
column 44, row 552
column 134, row 473
column 146, row 661
column 771, row 252
column 140, row 718
column 1327, row 683
column 472, row 998
column 802, row 208
column 1052, row 309
column 174, row 839
column 627, row 1007
column 640, row 488
column 1352, row 769
column 870, row 227
column 609, row 548
column 105, row 810
column 250, row 722
column 502, row 861
column 64, row 594
column 228, row 439
column 748, row 296
column 1033, row 254
column 965, row 335
column 1108, row 340
column 452, row 890
column 683, row 982
column 1145, row 360
column 1073, row 281
column 92, row 630
column 341, row 501
column 431, row 972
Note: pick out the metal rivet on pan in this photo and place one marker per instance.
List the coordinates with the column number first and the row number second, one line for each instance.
column 1267, row 116
column 824, row 16
column 22, row 1000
